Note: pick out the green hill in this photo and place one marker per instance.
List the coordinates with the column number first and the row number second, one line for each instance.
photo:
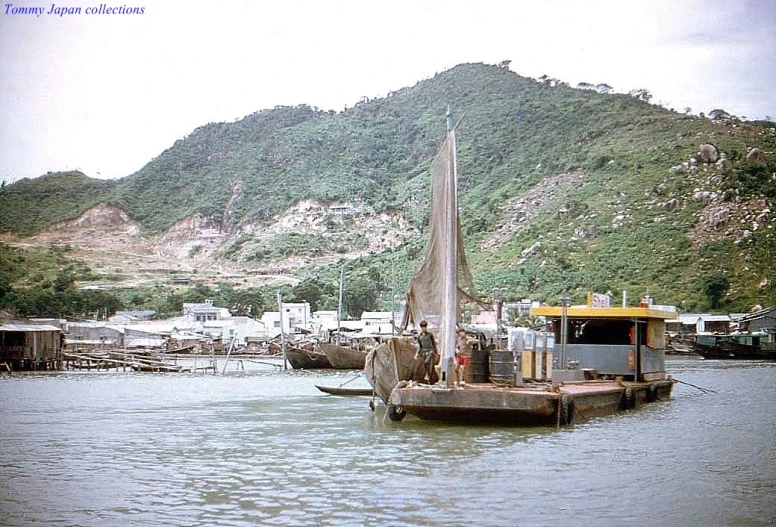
column 562, row 190
column 30, row 205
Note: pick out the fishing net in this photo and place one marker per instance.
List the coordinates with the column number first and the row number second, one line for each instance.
column 444, row 279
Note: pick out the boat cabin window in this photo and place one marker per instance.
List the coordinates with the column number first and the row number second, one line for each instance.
column 602, row 331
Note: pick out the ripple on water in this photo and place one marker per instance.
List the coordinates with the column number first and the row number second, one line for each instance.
column 266, row 447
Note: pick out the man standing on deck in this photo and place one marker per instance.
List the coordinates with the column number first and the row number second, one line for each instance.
column 427, row 352
column 463, row 355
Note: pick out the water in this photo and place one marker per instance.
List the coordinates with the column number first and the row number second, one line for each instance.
column 265, row 447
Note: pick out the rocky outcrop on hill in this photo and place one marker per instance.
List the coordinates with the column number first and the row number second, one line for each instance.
column 554, row 191
column 721, row 216
column 708, row 153
column 756, row 157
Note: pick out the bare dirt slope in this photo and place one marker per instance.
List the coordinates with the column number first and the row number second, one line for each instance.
column 111, row 243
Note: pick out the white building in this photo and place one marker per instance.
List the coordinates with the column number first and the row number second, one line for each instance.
column 239, row 329
column 131, row 317
column 296, row 318
column 204, row 311
column 374, row 318
column 323, row 322
column 698, row 323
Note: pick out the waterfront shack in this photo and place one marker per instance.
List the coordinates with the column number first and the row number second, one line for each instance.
column 762, row 320
column 26, row 347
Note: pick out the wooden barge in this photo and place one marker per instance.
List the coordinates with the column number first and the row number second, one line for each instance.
column 608, row 358
column 528, row 405
column 615, row 361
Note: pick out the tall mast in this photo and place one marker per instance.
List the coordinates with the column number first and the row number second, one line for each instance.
column 339, row 308
column 282, row 332
column 393, row 292
column 449, row 309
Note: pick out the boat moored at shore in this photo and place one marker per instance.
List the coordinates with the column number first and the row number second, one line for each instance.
column 759, row 345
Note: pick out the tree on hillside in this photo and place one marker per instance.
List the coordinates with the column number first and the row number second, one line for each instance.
column 307, row 291
column 718, row 114
column 715, row 288
column 360, row 295
column 198, row 294
column 64, row 281
column 248, row 302
column 642, row 94
column 373, row 273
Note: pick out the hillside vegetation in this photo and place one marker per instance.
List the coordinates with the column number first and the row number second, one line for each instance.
column 562, row 190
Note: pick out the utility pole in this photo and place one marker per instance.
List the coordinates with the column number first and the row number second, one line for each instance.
column 498, row 300
column 282, row 332
column 565, row 302
column 341, row 301
column 393, row 293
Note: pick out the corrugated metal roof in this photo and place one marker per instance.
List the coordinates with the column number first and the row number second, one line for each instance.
column 769, row 312
column 28, row 327
column 717, row 318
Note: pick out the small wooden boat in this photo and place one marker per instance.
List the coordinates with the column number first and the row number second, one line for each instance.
column 158, row 368
column 343, row 357
column 391, row 363
column 304, row 359
column 679, row 346
column 342, row 390
column 736, row 346
column 302, row 356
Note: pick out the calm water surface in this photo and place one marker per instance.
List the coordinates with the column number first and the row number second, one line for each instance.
column 265, row 447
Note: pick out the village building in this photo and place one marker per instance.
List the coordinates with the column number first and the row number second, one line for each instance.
column 131, row 317
column 375, row 318
column 205, row 311
column 86, row 336
column 761, row 320
column 341, row 209
column 324, row 321
column 520, row 308
column 144, row 336
column 241, row 331
column 687, row 323
column 297, row 318
column 26, row 346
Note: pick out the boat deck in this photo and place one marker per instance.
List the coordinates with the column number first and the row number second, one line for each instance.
column 532, row 404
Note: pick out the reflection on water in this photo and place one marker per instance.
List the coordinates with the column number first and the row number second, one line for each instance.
column 264, row 446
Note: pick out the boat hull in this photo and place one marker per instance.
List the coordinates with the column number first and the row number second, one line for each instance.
column 390, row 363
column 538, row 405
column 341, row 390
column 725, row 350
column 343, row 357
column 169, row 368
column 302, row 359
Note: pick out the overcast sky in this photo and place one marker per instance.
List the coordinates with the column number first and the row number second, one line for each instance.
column 106, row 93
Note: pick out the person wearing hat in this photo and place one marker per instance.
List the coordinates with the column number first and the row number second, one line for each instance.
column 428, row 352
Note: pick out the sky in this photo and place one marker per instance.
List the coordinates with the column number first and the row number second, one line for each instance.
column 106, row 93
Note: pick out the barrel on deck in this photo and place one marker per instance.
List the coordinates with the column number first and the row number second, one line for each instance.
column 502, row 367
column 477, row 369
